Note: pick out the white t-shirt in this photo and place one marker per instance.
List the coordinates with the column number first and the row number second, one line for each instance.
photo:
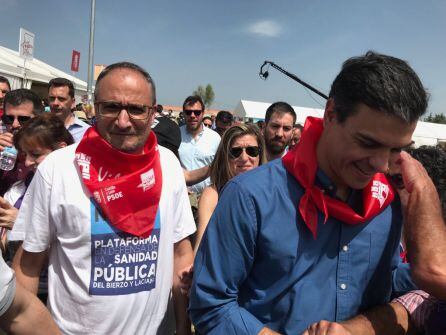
column 7, row 286
column 14, row 192
column 103, row 281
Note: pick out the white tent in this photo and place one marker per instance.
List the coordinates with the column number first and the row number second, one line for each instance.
column 426, row 133
column 37, row 72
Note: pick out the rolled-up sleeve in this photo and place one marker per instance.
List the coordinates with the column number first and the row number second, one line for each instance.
column 223, row 262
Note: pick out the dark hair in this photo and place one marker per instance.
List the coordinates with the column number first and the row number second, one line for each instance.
column 59, row 82
column 434, row 161
column 6, row 81
column 46, row 130
column 381, row 82
column 159, row 108
column 192, row 100
column 207, row 118
column 129, row 66
column 21, row 96
column 280, row 107
column 220, row 171
column 225, row 117
column 298, row 126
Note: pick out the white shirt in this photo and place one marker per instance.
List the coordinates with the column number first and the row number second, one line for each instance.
column 198, row 152
column 103, row 281
column 7, row 286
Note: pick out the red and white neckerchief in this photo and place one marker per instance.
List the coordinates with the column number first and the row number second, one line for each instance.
column 302, row 164
column 126, row 187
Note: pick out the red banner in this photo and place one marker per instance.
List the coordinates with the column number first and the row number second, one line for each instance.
column 75, row 59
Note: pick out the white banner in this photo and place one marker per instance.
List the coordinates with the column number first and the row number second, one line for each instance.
column 26, row 44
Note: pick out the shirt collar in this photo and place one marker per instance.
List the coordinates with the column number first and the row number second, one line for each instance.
column 329, row 188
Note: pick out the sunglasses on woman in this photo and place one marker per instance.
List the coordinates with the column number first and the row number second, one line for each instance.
column 9, row 119
column 235, row 152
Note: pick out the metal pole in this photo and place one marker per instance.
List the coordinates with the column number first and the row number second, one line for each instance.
column 264, row 74
column 90, row 53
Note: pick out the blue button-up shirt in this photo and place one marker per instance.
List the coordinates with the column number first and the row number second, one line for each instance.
column 258, row 264
column 77, row 129
column 198, row 152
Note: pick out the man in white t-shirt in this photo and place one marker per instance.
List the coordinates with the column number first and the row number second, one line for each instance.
column 20, row 311
column 198, row 143
column 114, row 210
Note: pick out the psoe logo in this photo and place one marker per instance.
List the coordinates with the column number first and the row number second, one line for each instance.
column 380, row 191
column 147, row 180
column 84, row 161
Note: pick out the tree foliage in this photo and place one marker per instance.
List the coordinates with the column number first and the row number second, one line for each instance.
column 206, row 93
column 436, row 118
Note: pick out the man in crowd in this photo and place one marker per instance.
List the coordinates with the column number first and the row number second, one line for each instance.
column 198, row 143
column 5, row 87
column 20, row 311
column 115, row 212
column 223, row 121
column 278, row 130
column 19, row 106
column 207, row 122
column 297, row 133
column 62, row 102
column 318, row 238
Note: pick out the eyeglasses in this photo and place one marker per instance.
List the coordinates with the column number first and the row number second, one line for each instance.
column 235, row 152
column 196, row 112
column 9, row 119
column 113, row 109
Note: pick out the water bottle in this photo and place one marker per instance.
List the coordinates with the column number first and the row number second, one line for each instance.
column 7, row 158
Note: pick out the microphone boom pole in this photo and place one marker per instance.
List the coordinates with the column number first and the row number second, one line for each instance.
column 265, row 74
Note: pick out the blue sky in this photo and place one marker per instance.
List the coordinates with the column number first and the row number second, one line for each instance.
column 184, row 44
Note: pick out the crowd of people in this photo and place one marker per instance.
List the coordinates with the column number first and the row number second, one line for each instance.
column 132, row 222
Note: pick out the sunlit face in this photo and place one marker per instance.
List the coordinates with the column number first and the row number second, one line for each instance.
column 125, row 87
column 244, row 162
column 353, row 151
column 22, row 111
column 60, row 101
column 278, row 132
column 193, row 122
column 295, row 138
column 4, row 88
column 207, row 123
column 34, row 155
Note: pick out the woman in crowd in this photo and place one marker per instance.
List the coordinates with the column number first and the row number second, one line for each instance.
column 241, row 149
column 35, row 140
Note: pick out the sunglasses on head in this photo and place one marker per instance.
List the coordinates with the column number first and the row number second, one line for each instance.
column 196, row 112
column 9, row 119
column 235, row 152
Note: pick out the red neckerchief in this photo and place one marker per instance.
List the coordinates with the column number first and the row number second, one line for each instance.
column 126, row 187
column 302, row 164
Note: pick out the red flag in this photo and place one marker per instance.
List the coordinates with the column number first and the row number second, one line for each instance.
column 75, row 58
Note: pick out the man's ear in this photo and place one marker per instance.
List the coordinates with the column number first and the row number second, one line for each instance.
column 329, row 114
column 73, row 104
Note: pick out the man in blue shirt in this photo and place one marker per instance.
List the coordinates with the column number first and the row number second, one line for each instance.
column 314, row 236
column 62, row 102
column 198, row 143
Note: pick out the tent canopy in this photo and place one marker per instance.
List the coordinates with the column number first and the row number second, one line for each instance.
column 426, row 133
column 11, row 65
